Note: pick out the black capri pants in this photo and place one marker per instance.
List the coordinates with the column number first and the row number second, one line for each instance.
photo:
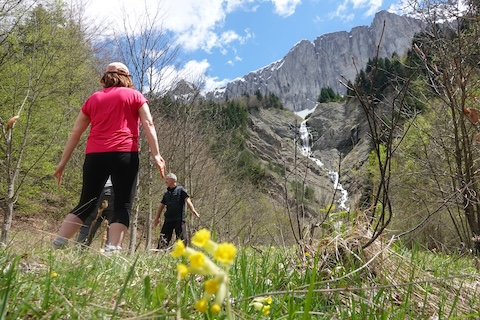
column 123, row 169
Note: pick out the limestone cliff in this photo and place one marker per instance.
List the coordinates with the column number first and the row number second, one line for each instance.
column 298, row 78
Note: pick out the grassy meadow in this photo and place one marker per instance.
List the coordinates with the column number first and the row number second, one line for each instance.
column 332, row 278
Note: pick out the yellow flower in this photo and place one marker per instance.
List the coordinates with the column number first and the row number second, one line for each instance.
column 197, row 259
column 226, row 253
column 182, row 270
column 201, row 238
column 257, row 305
column 201, row 305
column 262, row 304
column 53, row 274
column 212, row 285
column 215, row 308
column 267, row 300
column 266, row 310
column 201, row 263
column 207, row 268
column 178, row 249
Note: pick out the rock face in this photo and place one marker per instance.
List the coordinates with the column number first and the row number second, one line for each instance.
column 298, row 78
column 339, row 141
column 273, row 137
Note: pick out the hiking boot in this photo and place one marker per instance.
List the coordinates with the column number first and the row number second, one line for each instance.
column 109, row 248
column 59, row 243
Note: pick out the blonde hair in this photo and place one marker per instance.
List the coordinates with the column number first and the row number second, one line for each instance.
column 114, row 79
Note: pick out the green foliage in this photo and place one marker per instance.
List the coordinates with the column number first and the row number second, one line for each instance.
column 43, row 284
column 273, row 102
column 373, row 176
column 302, row 192
column 258, row 100
column 328, row 95
column 276, row 168
column 226, row 117
column 229, row 123
column 419, row 170
column 251, row 168
column 381, row 74
column 9, row 270
column 374, row 162
column 233, row 116
column 224, row 126
column 259, row 95
column 47, row 72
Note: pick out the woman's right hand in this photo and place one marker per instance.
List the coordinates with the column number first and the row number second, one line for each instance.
column 160, row 163
column 59, row 173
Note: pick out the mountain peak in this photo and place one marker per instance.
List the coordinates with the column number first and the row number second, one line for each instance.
column 298, row 78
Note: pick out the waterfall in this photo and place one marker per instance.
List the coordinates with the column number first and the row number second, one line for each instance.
column 337, row 186
column 305, row 137
column 305, row 149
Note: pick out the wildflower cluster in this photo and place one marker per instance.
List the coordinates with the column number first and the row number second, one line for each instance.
column 262, row 304
column 216, row 286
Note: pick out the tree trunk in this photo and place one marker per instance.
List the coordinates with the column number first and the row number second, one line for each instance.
column 11, row 176
column 7, row 219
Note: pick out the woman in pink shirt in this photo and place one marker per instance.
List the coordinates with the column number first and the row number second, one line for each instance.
column 113, row 114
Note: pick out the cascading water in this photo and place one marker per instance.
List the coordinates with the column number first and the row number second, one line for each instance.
column 337, row 186
column 305, row 138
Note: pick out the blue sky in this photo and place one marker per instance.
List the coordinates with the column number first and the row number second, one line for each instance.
column 221, row 40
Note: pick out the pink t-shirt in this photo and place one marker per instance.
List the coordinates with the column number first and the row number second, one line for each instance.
column 114, row 120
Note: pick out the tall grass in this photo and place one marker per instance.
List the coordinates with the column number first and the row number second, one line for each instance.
column 86, row 284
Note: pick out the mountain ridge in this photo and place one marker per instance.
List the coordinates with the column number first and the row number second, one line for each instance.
column 299, row 76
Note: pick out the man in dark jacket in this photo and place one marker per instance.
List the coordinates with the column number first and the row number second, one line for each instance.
column 174, row 199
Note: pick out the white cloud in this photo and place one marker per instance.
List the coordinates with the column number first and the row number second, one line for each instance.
column 199, row 24
column 211, row 84
column 344, row 10
column 443, row 11
column 193, row 71
column 232, row 62
column 318, row 19
column 373, row 6
column 234, row 4
column 196, row 72
column 194, row 24
column 285, row 8
column 229, row 37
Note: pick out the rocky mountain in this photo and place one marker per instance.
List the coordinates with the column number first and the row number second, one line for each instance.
column 298, row 78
